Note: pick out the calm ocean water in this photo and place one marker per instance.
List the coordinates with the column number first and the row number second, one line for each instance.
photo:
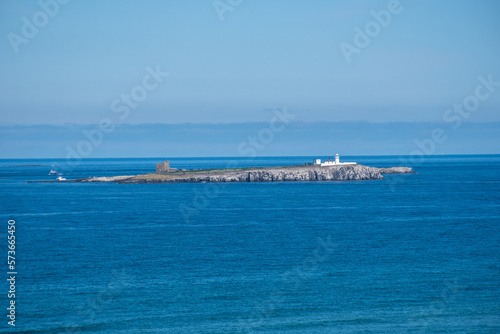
column 409, row 254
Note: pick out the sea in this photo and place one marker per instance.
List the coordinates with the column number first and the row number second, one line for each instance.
column 413, row 253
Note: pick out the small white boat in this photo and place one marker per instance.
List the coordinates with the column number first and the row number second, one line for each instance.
column 60, row 178
column 52, row 172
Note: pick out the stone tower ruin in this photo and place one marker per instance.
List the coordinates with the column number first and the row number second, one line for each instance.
column 163, row 167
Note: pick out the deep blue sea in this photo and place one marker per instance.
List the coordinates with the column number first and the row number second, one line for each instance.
column 409, row 254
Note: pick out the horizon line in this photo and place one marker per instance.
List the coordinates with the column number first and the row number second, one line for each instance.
column 263, row 156
column 247, row 122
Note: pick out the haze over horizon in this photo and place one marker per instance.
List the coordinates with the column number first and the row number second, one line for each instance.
column 248, row 140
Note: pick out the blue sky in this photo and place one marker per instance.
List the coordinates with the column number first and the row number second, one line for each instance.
column 264, row 54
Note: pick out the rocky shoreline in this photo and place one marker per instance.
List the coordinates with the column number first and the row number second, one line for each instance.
column 262, row 174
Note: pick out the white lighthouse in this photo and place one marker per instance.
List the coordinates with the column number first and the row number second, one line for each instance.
column 330, row 162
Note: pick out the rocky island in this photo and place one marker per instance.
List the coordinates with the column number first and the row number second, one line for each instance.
column 307, row 172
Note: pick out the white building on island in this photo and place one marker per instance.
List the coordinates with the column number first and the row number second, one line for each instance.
column 330, row 162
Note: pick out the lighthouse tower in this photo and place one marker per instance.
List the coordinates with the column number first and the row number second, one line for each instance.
column 331, row 162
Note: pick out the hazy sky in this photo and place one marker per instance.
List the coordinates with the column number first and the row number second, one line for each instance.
column 322, row 139
column 264, row 54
